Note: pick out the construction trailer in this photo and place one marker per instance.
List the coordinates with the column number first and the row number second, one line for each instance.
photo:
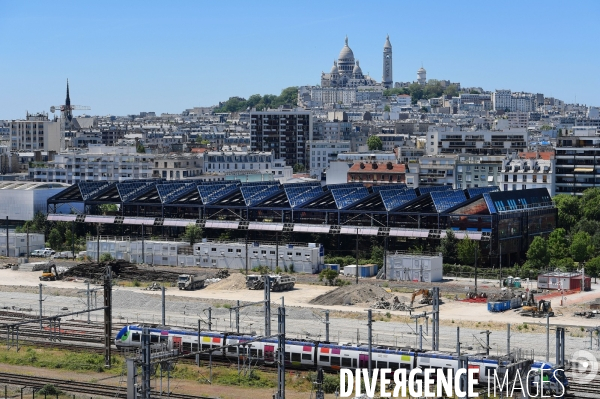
column 563, row 281
column 364, row 271
column 415, row 267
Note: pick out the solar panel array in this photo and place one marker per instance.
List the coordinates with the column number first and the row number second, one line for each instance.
column 395, row 186
column 91, row 188
column 345, row 197
column 392, row 199
column 472, row 192
column 213, row 192
column 505, row 201
column 170, row 191
column 489, row 203
column 301, row 194
column 131, row 189
column 344, row 185
column 443, row 200
column 254, row 194
column 430, row 189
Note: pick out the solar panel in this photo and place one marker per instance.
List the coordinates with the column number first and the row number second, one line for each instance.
column 345, row 197
column 131, row 189
column 472, row 192
column 91, row 188
column 430, row 189
column 345, row 185
column 506, row 201
column 443, row 200
column 300, row 194
column 213, row 192
column 256, row 193
column 392, row 199
column 489, row 203
column 395, row 186
column 170, row 191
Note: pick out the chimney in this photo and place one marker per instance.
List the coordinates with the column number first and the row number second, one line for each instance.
column 374, row 165
column 362, row 165
column 390, row 166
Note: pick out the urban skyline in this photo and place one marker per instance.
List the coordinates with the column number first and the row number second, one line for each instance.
column 122, row 59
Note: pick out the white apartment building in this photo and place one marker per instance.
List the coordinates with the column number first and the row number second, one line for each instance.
column 178, row 166
column 478, row 171
column 234, row 162
column 36, row 132
column 324, row 151
column 529, row 170
column 446, row 140
column 392, row 140
column 506, row 100
column 98, row 163
column 431, row 170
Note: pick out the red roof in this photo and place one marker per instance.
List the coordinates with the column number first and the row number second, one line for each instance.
column 199, row 150
column 381, row 167
column 547, row 155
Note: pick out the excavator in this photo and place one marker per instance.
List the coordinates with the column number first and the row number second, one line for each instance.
column 542, row 308
column 48, row 275
column 427, row 296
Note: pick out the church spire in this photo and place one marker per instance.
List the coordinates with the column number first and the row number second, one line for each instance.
column 346, row 40
column 68, row 100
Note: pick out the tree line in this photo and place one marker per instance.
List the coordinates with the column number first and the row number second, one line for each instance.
column 432, row 89
column 288, row 96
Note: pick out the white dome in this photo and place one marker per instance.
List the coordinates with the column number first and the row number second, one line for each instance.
column 421, row 70
column 346, row 53
column 334, row 68
column 357, row 70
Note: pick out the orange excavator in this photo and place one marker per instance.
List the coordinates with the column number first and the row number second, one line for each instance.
column 427, row 296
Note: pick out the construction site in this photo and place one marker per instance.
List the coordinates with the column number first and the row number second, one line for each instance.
column 493, row 320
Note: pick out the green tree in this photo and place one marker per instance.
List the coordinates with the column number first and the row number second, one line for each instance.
column 538, row 256
column 107, row 208
column 467, row 250
column 473, row 91
column 581, row 247
column 569, row 210
column 592, row 267
column 424, row 110
column 328, row 275
column 451, row 90
column 449, row 247
column 386, row 108
column 299, row 168
column 558, row 245
column 377, row 255
column 374, row 143
column 192, row 233
column 55, row 239
column 416, row 92
column 590, row 204
column 106, row 257
column 139, row 148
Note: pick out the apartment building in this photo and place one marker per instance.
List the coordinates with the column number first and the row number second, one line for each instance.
column 528, row 170
column 505, row 100
column 98, row 163
column 447, row 140
column 283, row 132
column 178, row 166
column 578, row 160
column 377, row 173
column 36, row 132
column 324, row 151
column 431, row 170
column 477, row 171
column 236, row 162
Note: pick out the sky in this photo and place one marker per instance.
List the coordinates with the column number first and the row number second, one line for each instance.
column 123, row 57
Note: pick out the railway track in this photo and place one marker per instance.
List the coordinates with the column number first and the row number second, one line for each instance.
column 80, row 387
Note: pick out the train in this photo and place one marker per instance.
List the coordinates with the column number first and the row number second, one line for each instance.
column 330, row 356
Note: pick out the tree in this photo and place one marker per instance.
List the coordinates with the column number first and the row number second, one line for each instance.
column 192, row 233
column 449, row 247
column 451, row 90
column 592, row 267
column 590, row 204
column 107, row 208
column 473, row 91
column 139, row 148
column 467, row 249
column 386, row 108
column 328, row 275
column 558, row 245
column 581, row 247
column 55, row 239
column 377, row 255
column 569, row 211
column 538, row 256
column 299, row 168
column 374, row 143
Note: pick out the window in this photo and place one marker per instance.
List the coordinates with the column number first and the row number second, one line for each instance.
column 394, row 366
column 229, row 249
column 298, row 253
column 324, row 359
column 238, row 250
column 232, row 349
column 135, row 337
column 524, row 186
column 545, row 179
column 295, row 357
column 289, row 254
column 306, row 356
column 263, row 252
column 534, row 178
column 335, row 360
column 272, row 252
column 213, row 249
column 346, row 362
column 213, row 261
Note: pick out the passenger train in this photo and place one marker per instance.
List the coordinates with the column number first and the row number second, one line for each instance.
column 306, row 354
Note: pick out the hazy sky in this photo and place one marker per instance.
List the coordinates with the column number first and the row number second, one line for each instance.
column 123, row 57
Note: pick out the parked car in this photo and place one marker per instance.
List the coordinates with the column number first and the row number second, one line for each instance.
column 37, row 252
column 48, row 252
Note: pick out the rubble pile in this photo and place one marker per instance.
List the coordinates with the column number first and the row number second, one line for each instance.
column 390, row 304
column 236, row 281
column 351, row 295
column 120, row 269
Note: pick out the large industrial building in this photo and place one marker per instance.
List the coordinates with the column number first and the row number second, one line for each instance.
column 506, row 221
column 20, row 201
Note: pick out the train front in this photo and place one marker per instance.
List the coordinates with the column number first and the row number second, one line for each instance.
column 121, row 338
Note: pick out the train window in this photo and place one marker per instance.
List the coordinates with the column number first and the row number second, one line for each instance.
column 295, row 357
column 394, row 366
column 260, row 354
column 232, row 349
column 335, row 360
column 153, row 339
column 204, row 347
column 135, row 337
column 194, row 347
column 346, row 362
column 382, row 365
column 253, row 352
column 287, row 356
column 324, row 359
column 405, row 366
column 354, row 363
column 186, row 346
column 164, row 338
column 488, row 371
column 306, row 356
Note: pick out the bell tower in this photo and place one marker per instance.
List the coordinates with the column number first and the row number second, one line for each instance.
column 387, row 80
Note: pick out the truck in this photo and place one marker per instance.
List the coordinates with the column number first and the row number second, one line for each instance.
column 277, row 282
column 189, row 282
